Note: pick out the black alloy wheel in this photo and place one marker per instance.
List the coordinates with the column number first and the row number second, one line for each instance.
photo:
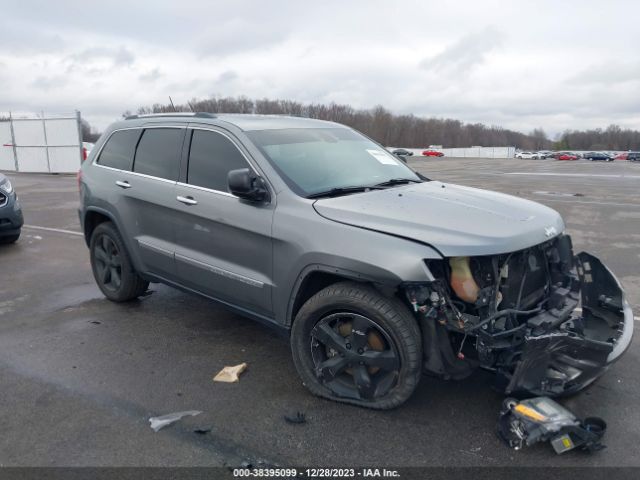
column 108, row 261
column 352, row 344
column 354, row 357
column 112, row 266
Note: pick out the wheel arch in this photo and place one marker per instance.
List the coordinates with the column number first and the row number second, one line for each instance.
column 317, row 277
column 92, row 218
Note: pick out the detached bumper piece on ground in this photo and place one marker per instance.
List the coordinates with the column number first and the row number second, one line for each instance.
column 541, row 419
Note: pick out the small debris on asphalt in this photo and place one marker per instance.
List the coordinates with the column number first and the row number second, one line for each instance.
column 95, row 322
column 299, row 417
column 230, row 374
column 558, row 194
column 160, row 422
column 202, row 430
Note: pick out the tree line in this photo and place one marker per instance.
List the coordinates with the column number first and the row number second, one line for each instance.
column 408, row 130
column 612, row 138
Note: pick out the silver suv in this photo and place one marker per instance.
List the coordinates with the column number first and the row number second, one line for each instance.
column 376, row 273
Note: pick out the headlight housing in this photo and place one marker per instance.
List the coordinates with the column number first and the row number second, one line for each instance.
column 6, row 186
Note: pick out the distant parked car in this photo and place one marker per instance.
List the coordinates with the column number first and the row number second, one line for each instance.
column 567, row 156
column 432, row 153
column 621, row 156
column 86, row 149
column 605, row 157
column 545, row 154
column 534, row 155
column 402, row 154
column 10, row 212
column 633, row 156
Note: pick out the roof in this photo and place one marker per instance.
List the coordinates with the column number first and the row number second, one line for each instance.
column 246, row 122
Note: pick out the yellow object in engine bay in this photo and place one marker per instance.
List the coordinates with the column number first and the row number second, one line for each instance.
column 462, row 281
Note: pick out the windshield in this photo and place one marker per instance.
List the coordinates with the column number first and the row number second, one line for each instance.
column 317, row 160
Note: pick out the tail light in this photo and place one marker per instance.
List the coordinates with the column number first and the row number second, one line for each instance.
column 79, row 179
column 84, row 153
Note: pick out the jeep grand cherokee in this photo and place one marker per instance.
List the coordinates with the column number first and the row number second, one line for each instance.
column 377, row 273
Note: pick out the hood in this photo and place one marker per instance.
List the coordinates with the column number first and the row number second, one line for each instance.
column 456, row 220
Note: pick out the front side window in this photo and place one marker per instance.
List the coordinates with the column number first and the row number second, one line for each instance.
column 211, row 157
column 119, row 150
column 315, row 160
column 158, row 153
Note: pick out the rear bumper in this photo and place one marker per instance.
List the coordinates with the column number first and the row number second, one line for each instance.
column 582, row 347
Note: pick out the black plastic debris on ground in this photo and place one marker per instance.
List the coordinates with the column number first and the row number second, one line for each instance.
column 296, row 418
column 202, row 430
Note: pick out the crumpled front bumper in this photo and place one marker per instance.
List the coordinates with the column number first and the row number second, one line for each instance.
column 582, row 347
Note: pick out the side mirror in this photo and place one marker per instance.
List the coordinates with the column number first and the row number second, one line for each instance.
column 246, row 185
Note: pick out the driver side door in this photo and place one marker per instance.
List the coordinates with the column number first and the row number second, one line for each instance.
column 223, row 243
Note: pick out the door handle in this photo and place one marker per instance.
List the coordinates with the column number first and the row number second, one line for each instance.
column 123, row 184
column 187, row 200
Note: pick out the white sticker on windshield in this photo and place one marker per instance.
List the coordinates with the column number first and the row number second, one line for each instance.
column 382, row 157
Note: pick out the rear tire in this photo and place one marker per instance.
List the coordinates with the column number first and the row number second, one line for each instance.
column 112, row 266
column 352, row 345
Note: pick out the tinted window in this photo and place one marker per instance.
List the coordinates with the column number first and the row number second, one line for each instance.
column 211, row 158
column 119, row 149
column 158, row 153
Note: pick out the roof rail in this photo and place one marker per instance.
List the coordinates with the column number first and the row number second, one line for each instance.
column 172, row 114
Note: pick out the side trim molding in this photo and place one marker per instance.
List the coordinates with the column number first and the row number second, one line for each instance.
column 220, row 271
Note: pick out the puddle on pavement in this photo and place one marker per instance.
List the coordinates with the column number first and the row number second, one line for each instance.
column 70, row 298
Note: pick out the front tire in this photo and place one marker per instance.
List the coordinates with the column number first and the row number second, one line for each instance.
column 9, row 239
column 353, row 345
column 112, row 266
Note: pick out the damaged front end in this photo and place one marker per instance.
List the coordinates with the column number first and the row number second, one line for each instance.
column 545, row 321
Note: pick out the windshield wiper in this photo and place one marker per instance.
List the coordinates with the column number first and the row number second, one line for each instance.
column 397, row 181
column 343, row 191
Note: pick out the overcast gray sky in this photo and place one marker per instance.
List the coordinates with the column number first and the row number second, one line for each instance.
column 554, row 64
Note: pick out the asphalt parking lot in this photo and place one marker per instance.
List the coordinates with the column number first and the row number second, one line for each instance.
column 80, row 376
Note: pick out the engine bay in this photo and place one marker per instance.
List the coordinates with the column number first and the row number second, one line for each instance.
column 517, row 314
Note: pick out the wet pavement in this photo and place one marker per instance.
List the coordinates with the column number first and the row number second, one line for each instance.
column 80, row 376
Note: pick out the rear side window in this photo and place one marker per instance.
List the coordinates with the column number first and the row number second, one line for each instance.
column 119, row 149
column 158, row 153
column 212, row 156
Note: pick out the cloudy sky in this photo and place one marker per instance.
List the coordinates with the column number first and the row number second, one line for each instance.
column 550, row 64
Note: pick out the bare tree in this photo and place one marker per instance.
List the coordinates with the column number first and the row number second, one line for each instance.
column 411, row 131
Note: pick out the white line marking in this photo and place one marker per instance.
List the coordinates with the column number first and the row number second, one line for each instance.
column 637, row 319
column 58, row 230
column 572, row 174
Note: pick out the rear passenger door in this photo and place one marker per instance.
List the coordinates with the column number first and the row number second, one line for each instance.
column 148, row 208
column 223, row 244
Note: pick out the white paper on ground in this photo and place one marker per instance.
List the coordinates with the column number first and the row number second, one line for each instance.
column 159, row 422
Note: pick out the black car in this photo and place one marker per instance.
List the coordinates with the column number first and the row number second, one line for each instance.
column 598, row 156
column 633, row 156
column 402, row 153
column 10, row 212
